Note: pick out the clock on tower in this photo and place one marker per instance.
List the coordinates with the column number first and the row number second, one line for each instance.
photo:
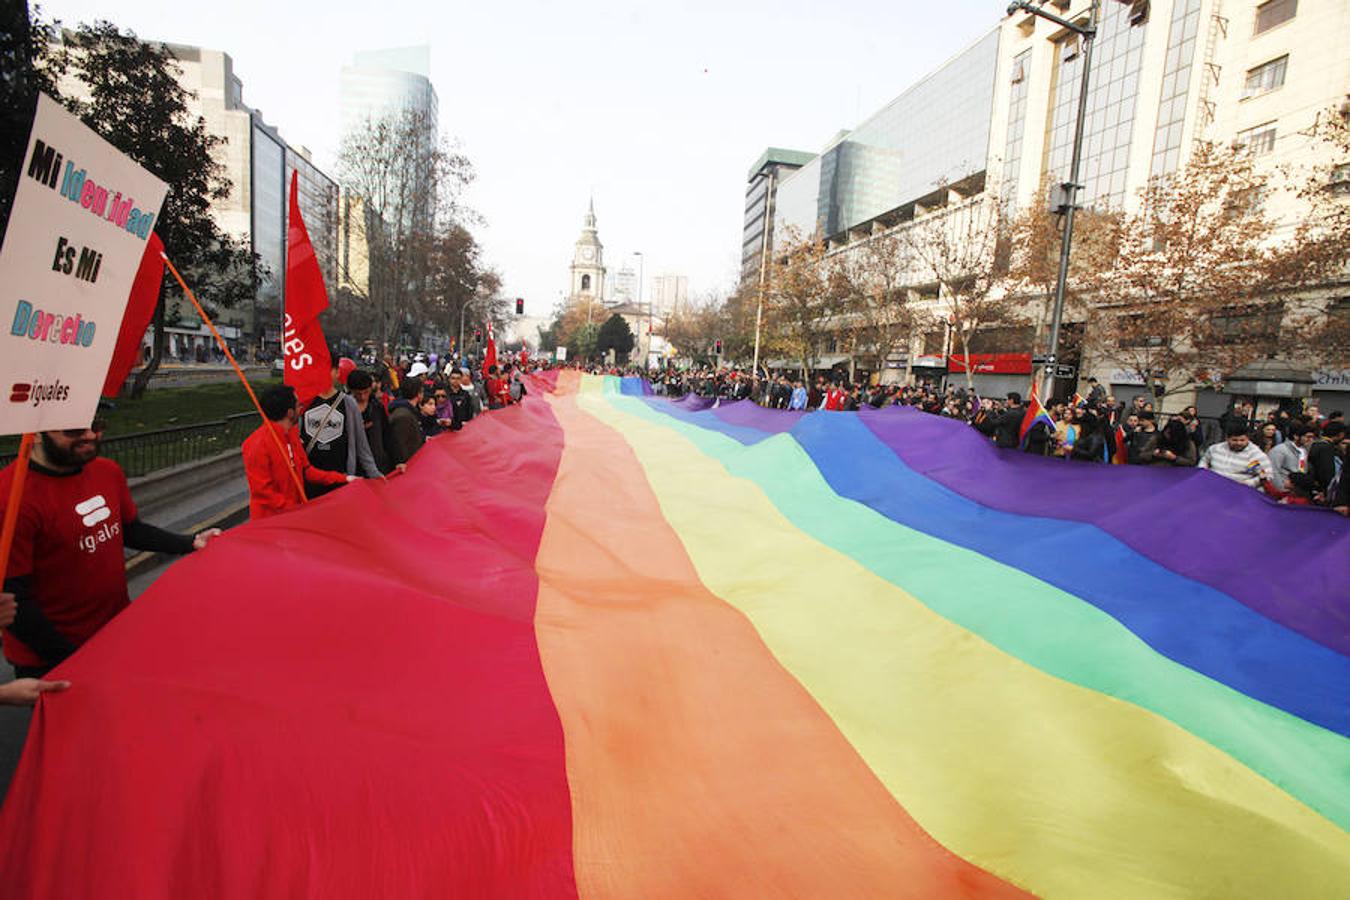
column 588, row 261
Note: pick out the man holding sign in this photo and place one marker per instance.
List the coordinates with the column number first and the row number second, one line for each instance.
column 66, row 572
column 82, row 218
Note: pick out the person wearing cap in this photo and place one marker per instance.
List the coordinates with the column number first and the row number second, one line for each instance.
column 333, row 431
column 67, row 574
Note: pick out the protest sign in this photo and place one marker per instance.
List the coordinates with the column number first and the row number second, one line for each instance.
column 77, row 232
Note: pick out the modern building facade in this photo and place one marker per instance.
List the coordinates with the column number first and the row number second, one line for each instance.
column 257, row 161
column 381, row 83
column 995, row 125
column 757, row 232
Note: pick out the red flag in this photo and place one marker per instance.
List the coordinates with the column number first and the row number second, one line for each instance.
column 490, row 357
column 308, row 367
column 140, row 308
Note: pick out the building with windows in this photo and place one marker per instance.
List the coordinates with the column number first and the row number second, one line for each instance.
column 994, row 126
column 757, row 233
column 257, row 161
column 668, row 294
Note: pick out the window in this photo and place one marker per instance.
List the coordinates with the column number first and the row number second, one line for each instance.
column 1339, row 182
column 585, row 282
column 1258, row 141
column 1248, row 323
column 1265, row 78
column 1276, row 12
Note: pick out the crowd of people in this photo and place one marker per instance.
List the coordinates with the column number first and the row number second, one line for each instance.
column 66, row 577
column 1296, row 456
column 368, row 424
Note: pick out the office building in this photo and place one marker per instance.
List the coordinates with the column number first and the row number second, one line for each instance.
column 762, row 187
column 384, row 83
column 668, row 294
column 995, row 125
column 257, row 161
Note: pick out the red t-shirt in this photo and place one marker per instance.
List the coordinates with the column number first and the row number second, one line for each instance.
column 69, row 541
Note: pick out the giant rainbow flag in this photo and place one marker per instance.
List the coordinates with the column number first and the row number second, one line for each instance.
column 608, row 645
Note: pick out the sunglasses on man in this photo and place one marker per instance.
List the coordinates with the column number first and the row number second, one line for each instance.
column 98, row 426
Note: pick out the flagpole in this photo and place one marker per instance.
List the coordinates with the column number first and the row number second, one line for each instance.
column 11, row 522
column 290, row 464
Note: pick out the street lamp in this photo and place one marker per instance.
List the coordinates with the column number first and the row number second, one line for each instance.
column 763, row 269
column 647, row 351
column 1072, row 186
column 462, row 310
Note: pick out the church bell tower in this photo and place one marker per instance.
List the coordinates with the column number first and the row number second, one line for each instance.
column 588, row 262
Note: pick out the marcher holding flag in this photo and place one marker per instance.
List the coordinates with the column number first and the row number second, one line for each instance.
column 1037, row 424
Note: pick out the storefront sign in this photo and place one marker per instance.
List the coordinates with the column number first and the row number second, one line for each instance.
column 1331, row 380
column 993, row 363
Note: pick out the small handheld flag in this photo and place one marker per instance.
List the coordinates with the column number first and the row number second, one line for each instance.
column 1035, row 413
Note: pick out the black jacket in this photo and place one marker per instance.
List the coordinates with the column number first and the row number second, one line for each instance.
column 1007, row 426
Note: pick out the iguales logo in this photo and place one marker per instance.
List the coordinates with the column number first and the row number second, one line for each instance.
column 39, row 393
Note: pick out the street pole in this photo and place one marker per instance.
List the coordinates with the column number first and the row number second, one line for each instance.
column 763, row 271
column 647, row 351
column 462, row 310
column 1072, row 186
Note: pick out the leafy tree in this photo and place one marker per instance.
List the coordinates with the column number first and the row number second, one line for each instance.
column 617, row 336
column 130, row 94
column 582, row 343
column 28, row 68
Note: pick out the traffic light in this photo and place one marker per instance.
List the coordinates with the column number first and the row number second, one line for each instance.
column 717, row 346
column 520, row 306
column 478, row 334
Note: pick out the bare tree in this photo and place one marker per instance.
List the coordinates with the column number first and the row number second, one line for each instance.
column 962, row 252
column 877, row 312
column 409, row 182
column 799, row 299
column 1207, row 281
column 1037, row 237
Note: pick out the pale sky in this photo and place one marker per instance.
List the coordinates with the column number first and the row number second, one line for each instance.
column 658, row 110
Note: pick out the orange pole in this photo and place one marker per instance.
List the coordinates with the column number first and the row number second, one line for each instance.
column 290, row 463
column 15, row 499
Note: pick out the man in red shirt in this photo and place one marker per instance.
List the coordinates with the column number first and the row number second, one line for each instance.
column 271, row 486
column 66, row 569
column 498, row 389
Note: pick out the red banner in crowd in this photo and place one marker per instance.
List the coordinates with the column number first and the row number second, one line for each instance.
column 490, row 357
column 140, row 308
column 307, row 364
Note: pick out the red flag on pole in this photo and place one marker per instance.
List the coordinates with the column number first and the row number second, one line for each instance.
column 140, row 308
column 489, row 357
column 308, row 367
